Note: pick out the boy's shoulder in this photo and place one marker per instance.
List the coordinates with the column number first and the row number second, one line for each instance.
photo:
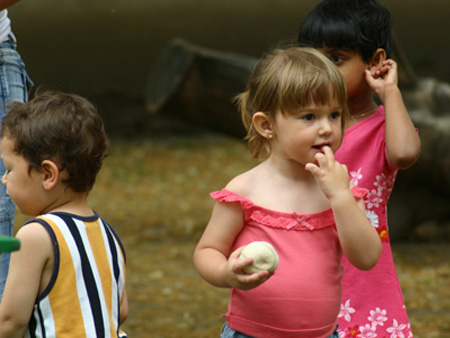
column 35, row 241
column 32, row 231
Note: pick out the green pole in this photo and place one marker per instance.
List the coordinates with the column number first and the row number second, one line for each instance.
column 8, row 244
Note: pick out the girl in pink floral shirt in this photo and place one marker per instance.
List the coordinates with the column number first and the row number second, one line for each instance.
column 378, row 141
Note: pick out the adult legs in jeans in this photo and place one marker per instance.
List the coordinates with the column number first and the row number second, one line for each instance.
column 14, row 86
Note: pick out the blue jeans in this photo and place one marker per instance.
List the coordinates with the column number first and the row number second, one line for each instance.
column 230, row 333
column 14, row 86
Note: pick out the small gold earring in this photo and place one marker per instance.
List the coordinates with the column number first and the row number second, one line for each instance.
column 270, row 136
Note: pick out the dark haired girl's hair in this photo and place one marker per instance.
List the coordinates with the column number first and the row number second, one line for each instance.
column 362, row 26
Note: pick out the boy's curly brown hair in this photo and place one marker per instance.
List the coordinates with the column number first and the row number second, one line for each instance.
column 62, row 127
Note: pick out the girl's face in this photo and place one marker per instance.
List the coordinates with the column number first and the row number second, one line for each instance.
column 23, row 186
column 352, row 67
column 300, row 135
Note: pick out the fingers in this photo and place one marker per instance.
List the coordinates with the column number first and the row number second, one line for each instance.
column 331, row 175
column 325, row 158
column 249, row 281
column 382, row 69
column 240, row 264
column 312, row 168
column 382, row 77
column 323, row 161
column 237, row 265
column 241, row 280
column 328, row 153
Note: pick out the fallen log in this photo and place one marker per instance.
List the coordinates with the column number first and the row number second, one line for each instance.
column 198, row 84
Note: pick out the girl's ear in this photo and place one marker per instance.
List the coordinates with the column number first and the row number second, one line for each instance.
column 50, row 174
column 263, row 124
column 378, row 57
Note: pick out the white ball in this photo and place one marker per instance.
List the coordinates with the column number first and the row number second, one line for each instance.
column 264, row 257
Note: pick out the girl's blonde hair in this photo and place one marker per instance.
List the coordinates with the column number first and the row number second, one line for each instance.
column 284, row 81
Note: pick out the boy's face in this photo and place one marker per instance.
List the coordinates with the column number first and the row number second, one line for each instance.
column 23, row 186
column 352, row 68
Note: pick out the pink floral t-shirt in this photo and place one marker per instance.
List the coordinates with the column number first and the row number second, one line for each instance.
column 372, row 301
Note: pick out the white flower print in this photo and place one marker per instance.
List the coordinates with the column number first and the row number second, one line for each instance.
column 374, row 199
column 380, row 182
column 367, row 331
column 410, row 335
column 346, row 311
column 389, row 184
column 373, row 218
column 355, row 176
column 377, row 317
column 396, row 330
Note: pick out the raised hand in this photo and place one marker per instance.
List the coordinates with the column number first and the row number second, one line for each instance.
column 383, row 77
column 331, row 175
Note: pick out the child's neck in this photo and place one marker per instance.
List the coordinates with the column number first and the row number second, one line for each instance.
column 73, row 203
column 287, row 188
column 289, row 170
column 360, row 110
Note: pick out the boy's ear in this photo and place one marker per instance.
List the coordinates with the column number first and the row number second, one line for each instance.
column 263, row 124
column 50, row 174
column 378, row 57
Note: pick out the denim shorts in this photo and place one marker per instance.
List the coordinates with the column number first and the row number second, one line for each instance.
column 230, row 333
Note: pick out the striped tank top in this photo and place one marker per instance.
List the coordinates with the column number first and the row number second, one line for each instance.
column 85, row 292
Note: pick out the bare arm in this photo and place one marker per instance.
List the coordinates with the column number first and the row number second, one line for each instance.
column 359, row 240
column 24, row 280
column 124, row 308
column 402, row 141
column 213, row 258
column 7, row 3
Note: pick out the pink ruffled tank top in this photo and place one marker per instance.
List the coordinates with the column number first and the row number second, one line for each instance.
column 303, row 297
